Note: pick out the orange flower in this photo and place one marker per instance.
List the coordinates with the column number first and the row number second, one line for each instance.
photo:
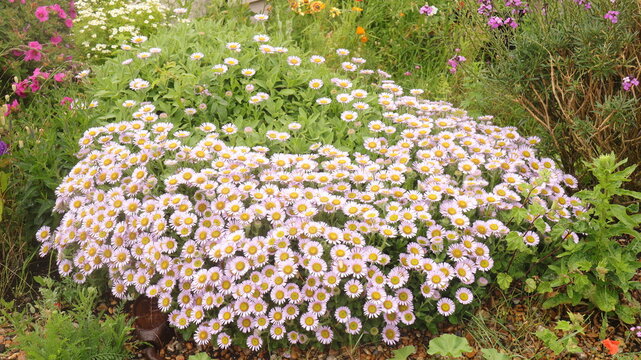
column 364, row 39
column 317, row 6
column 356, row 8
column 360, row 30
column 401, row 14
column 611, row 345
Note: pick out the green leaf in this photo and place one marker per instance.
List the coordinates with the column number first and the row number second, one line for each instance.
column 504, row 280
column 605, row 298
column 540, row 225
column 550, row 340
column 556, row 301
column 199, row 356
column 493, row 354
column 530, row 285
column 449, row 345
column 627, row 314
column 403, row 353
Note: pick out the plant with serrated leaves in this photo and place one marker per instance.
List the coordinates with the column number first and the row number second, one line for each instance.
column 600, row 268
column 567, row 342
column 66, row 327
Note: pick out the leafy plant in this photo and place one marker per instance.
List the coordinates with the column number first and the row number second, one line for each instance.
column 493, row 354
column 199, row 356
column 567, row 342
column 449, row 345
column 403, row 353
column 48, row 330
column 600, row 267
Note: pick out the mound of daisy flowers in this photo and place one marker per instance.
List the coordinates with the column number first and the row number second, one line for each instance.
column 248, row 245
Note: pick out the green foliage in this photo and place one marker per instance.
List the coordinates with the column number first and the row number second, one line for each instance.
column 567, row 342
column 559, row 74
column 600, row 267
column 178, row 83
column 493, row 354
column 199, row 356
column 403, row 353
column 46, row 330
column 102, row 26
column 449, row 345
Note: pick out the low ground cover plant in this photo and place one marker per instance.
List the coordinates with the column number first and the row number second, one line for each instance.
column 247, row 222
column 62, row 324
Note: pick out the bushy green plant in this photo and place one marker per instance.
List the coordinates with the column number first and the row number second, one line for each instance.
column 34, row 35
column 600, row 267
column 49, row 330
column 566, row 64
column 42, row 142
column 102, row 26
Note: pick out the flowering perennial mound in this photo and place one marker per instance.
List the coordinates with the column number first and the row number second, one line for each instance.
column 242, row 239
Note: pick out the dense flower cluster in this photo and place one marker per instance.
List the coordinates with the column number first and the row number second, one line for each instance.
column 232, row 238
column 102, row 26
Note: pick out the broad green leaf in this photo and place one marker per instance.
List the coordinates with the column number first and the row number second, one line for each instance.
column 493, row 354
column 504, row 280
column 530, row 285
column 449, row 345
column 199, row 356
column 556, row 300
column 605, row 298
column 403, row 353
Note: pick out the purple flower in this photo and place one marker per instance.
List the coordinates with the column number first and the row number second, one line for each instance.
column 428, row 10
column 495, row 22
column 4, row 148
column 629, row 82
column 42, row 13
column 612, row 16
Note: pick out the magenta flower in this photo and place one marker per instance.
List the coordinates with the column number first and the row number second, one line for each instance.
column 21, row 88
column 629, row 82
column 59, row 77
column 66, row 100
column 35, row 45
column 42, row 13
column 68, row 22
column 55, row 40
column 612, row 16
column 32, row 54
column 37, row 73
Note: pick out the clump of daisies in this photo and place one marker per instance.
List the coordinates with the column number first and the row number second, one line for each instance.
column 271, row 245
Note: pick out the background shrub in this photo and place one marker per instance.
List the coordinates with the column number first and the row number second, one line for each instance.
column 565, row 64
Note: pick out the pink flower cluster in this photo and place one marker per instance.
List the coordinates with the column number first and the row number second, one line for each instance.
column 613, row 16
column 517, row 8
column 629, row 82
column 42, row 13
column 33, row 82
